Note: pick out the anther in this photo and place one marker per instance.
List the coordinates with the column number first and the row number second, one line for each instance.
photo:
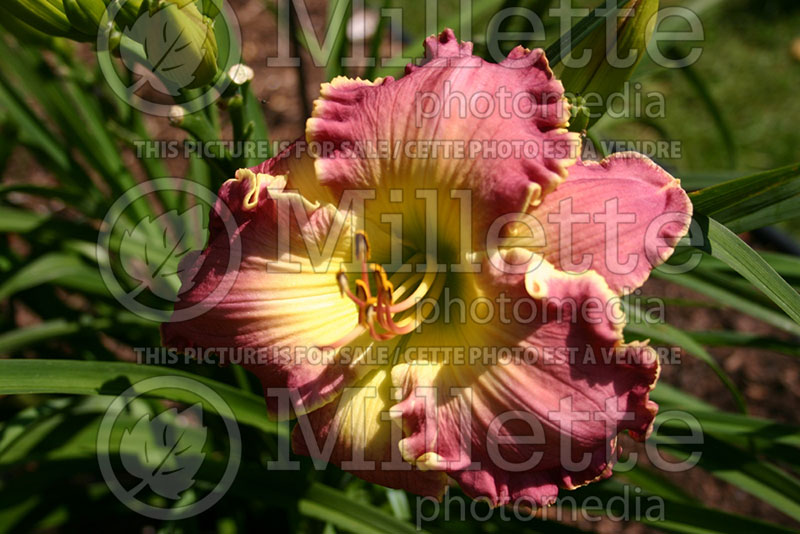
column 362, row 246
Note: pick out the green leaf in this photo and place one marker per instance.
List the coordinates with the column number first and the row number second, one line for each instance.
column 154, row 262
column 786, row 265
column 56, row 268
column 14, row 340
column 731, row 300
column 751, row 201
column 254, row 114
column 483, row 11
column 337, row 15
column 668, row 396
column 169, row 457
column 655, row 483
column 784, row 210
column 724, row 245
column 32, row 131
column 333, row 506
column 759, row 478
column 560, row 49
column 104, row 378
column 679, row 517
column 710, row 420
column 376, row 42
column 667, row 335
column 726, row 338
column 14, row 220
column 721, row 124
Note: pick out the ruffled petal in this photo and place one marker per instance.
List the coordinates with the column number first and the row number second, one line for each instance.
column 284, row 303
column 620, row 217
column 296, row 163
column 497, row 422
column 455, row 122
column 357, row 433
column 492, row 403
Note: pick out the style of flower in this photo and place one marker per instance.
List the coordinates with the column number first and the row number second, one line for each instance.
column 431, row 281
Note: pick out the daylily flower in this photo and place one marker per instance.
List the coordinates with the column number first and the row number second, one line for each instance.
column 408, row 244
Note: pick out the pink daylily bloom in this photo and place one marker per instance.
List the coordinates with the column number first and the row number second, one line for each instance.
column 459, row 320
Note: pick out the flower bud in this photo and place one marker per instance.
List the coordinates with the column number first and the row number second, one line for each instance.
column 25, row 33
column 580, row 115
column 179, row 43
column 85, row 15
column 128, row 12
column 615, row 53
column 47, row 16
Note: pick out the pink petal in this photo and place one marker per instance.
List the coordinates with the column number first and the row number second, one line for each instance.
column 364, row 438
column 626, row 215
column 485, row 109
column 272, row 315
column 595, row 398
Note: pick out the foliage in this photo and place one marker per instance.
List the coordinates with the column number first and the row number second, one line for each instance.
column 60, row 373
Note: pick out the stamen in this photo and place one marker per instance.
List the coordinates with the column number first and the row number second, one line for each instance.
column 376, row 309
column 370, row 319
column 362, row 255
column 362, row 246
column 420, row 292
column 341, row 278
column 410, row 324
column 344, row 289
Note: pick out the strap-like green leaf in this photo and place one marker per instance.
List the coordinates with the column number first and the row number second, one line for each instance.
column 335, row 507
column 19, row 221
column 725, row 338
column 665, row 334
column 762, row 479
column 724, row 245
column 560, row 49
column 107, row 378
column 57, row 268
column 732, row 300
column 678, row 517
column 752, row 201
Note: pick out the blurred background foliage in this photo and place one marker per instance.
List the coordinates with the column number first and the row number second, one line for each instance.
column 68, row 150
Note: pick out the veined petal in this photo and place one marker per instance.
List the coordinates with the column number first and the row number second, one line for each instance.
column 454, row 123
column 620, row 217
column 357, row 433
column 285, row 302
column 547, row 416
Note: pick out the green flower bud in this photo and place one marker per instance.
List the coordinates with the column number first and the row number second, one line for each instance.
column 209, row 8
column 47, row 16
column 128, row 13
column 25, row 33
column 85, row 15
column 610, row 64
column 580, row 115
column 179, row 43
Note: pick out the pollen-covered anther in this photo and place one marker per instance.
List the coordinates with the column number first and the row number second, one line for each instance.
column 362, row 246
column 341, row 279
column 374, row 296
